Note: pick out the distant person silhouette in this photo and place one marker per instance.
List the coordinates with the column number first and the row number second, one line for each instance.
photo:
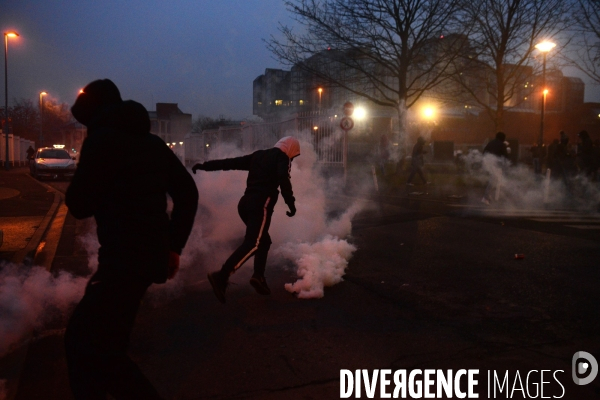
column 498, row 148
column 417, row 162
column 30, row 153
column 126, row 192
column 563, row 161
column 384, row 153
column 585, row 155
column 268, row 170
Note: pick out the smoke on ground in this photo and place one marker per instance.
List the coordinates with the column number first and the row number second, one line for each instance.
column 30, row 297
column 319, row 264
column 516, row 187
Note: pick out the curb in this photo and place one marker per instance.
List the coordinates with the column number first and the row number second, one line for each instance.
column 50, row 228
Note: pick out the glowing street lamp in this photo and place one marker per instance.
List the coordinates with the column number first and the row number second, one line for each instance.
column 6, row 36
column 429, row 113
column 320, row 90
column 42, row 94
column 359, row 113
column 544, row 47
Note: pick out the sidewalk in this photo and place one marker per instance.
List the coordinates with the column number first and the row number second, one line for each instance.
column 26, row 209
column 32, row 215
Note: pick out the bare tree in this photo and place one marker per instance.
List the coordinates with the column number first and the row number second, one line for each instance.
column 390, row 52
column 25, row 119
column 503, row 39
column 203, row 122
column 585, row 54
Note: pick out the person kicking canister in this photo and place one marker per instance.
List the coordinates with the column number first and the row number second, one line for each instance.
column 268, row 170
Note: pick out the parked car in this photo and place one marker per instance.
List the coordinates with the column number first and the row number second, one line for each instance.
column 52, row 163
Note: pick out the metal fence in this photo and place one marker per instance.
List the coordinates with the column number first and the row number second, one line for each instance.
column 321, row 131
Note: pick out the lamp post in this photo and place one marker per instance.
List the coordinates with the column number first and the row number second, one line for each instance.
column 6, row 36
column 320, row 90
column 544, row 47
column 42, row 94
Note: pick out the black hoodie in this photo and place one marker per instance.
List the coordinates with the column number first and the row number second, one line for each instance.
column 123, row 178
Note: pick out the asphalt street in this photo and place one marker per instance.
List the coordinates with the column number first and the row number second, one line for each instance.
column 434, row 284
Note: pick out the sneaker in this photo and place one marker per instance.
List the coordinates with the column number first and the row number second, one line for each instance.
column 485, row 201
column 260, row 285
column 219, row 284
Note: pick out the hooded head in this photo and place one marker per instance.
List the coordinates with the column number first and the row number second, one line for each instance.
column 94, row 98
column 289, row 145
column 564, row 139
column 501, row 136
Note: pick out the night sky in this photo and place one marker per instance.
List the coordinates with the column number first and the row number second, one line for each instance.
column 201, row 54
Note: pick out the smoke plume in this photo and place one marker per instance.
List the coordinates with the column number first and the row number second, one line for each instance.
column 310, row 240
column 30, row 297
column 516, row 187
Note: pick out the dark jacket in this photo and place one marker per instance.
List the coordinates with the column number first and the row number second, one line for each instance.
column 417, row 154
column 268, row 170
column 123, row 178
column 497, row 148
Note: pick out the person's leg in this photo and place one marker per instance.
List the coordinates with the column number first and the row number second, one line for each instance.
column 487, row 194
column 81, row 356
column 256, row 214
column 413, row 171
column 96, row 342
column 421, row 174
column 536, row 166
column 260, row 257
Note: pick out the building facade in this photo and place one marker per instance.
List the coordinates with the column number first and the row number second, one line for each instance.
column 172, row 125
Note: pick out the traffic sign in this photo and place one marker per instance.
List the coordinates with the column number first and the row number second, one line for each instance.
column 346, row 123
column 348, row 109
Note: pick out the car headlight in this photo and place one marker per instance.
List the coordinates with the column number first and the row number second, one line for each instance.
column 42, row 166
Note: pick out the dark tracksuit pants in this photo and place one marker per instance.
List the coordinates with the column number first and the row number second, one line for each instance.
column 96, row 342
column 255, row 210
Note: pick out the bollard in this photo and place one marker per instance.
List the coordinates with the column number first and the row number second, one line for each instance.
column 547, row 185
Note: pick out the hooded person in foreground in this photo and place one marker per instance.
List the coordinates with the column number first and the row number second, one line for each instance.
column 123, row 178
column 268, row 170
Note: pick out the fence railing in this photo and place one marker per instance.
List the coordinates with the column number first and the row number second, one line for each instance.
column 320, row 130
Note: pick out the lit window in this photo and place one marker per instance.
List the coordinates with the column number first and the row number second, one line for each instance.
column 278, row 102
column 301, row 102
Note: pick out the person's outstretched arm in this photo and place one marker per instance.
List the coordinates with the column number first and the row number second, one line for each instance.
column 237, row 163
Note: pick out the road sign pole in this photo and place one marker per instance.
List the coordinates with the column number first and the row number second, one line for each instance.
column 345, row 157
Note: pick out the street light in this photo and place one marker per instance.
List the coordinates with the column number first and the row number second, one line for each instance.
column 429, row 113
column 320, row 90
column 6, row 36
column 359, row 113
column 544, row 47
column 42, row 94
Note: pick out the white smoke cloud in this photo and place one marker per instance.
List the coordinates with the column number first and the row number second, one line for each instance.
column 30, row 297
column 320, row 264
column 516, row 187
column 219, row 230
